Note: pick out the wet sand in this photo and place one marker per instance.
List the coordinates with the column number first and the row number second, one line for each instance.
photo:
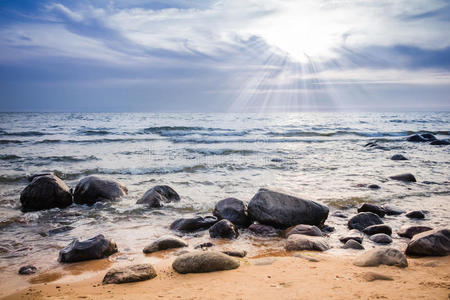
column 276, row 276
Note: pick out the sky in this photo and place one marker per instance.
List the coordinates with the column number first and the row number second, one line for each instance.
column 224, row 56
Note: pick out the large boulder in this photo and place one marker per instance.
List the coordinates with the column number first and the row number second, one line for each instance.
column 45, row 192
column 193, row 224
column 94, row 248
column 305, row 242
column 164, row 243
column 410, row 231
column 204, row 261
column 406, row 177
column 264, row 230
column 381, row 256
column 368, row 207
column 128, row 274
column 363, row 220
column 93, row 189
column 379, row 228
column 430, row 243
column 157, row 195
column 233, row 210
column 282, row 211
column 223, row 229
column 304, row 229
column 353, row 234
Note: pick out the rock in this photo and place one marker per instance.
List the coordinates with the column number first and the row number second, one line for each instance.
column 398, row 157
column 393, row 210
column 305, row 242
column 164, row 243
column 236, row 253
column 233, row 210
column 27, row 270
column 223, row 229
column 159, row 194
column 373, row 186
column 204, row 261
column 128, row 274
column 45, row 192
column 339, row 214
column 193, row 224
column 372, row 276
column 381, row 256
column 428, row 136
column 379, row 228
column 31, row 177
column 416, row 138
column 410, row 231
column 363, row 220
column 204, row 245
column 353, row 234
column 310, row 230
column 327, row 229
column 440, row 143
column 381, row 238
column 94, row 248
column 417, row 214
column 93, row 189
column 352, row 244
column 407, row 177
column 367, row 207
column 430, row 243
column 264, row 230
column 282, row 211
column 59, row 230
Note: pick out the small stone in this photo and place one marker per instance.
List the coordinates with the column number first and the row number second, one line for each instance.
column 27, row 270
column 398, row 157
column 393, row 210
column 363, row 220
column 379, row 228
column 164, row 243
column 367, row 207
column 417, row 214
column 311, row 230
column 223, row 229
column 352, row 244
column 374, row 186
column 407, row 177
column 381, row 238
column 305, row 242
column 353, row 234
column 204, row 245
column 381, row 256
column 340, row 214
column 204, row 261
column 236, row 253
column 410, row 231
column 128, row 274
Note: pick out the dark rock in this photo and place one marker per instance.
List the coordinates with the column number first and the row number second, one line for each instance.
column 428, row 136
column 381, row 238
column 381, row 256
column 236, row 253
column 372, row 276
column 339, row 214
column 59, row 230
column 27, row 270
column 223, row 229
column 440, row 143
column 45, row 192
column 393, row 210
column 159, row 194
column 430, row 243
column 352, row 244
column 94, row 248
column 352, row 235
column 327, row 229
column 31, row 177
column 128, row 274
column 233, row 210
column 407, row 177
column 193, row 224
column 398, row 157
column 363, row 220
column 204, row 245
column 367, row 207
column 93, row 189
column 416, row 138
column 379, row 228
column 204, row 261
column 164, row 243
column 282, row 211
column 373, row 186
column 264, row 230
column 416, row 214
column 303, row 229
column 305, row 242
column 410, row 231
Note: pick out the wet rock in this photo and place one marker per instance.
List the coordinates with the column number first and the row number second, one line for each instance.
column 327, row 229
column 31, row 177
column 372, row 276
column 430, row 243
column 59, row 230
column 367, row 207
column 381, row 256
column 393, row 210
column 45, row 192
column 204, row 261
column 310, row 230
column 410, row 231
column 193, row 224
column 373, row 186
column 381, row 238
column 363, row 220
column 223, row 229
column 128, row 274
column 398, row 157
column 305, row 242
column 27, row 270
column 164, row 243
column 352, row 244
column 204, row 245
column 157, row 195
column 416, row 138
column 93, row 189
column 417, row 214
column 353, row 234
column 282, row 211
column 340, row 214
column 233, row 210
column 94, row 248
column 428, row 136
column 379, row 228
column 236, row 253
column 406, row 177
column 440, row 143
column 263, row 230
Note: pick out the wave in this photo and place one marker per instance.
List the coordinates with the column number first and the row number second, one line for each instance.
column 90, row 132
column 169, row 131
column 22, row 133
column 9, row 157
column 95, row 141
column 221, row 151
column 4, row 142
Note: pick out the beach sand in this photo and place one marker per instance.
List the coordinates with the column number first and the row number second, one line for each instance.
column 270, row 277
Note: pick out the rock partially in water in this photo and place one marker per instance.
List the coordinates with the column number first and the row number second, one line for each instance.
column 235, row 253
column 374, row 186
column 430, row 243
column 416, row 138
column 353, row 234
column 45, row 192
column 440, row 143
column 406, row 177
column 204, row 261
column 58, row 230
column 368, row 207
column 327, row 229
column 379, row 228
column 303, row 229
column 381, row 238
column 398, row 157
column 363, row 220
column 27, row 270
column 416, row 214
column 223, row 229
column 410, row 231
column 164, row 243
column 392, row 210
column 128, row 274
column 157, row 195
column 93, row 189
column 340, row 214
column 264, row 230
column 233, row 210
column 193, row 224
column 204, row 245
column 381, row 256
column 428, row 136
column 297, row 242
column 94, row 248
column 283, row 211
column 352, row 244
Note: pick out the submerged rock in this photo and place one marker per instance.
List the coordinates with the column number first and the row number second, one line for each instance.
column 157, row 195
column 233, row 210
column 406, row 177
column 417, row 214
column 204, row 261
column 193, row 224
column 379, row 228
column 93, row 189
column 164, row 243
column 94, row 248
column 352, row 244
column 282, row 211
column 430, row 243
column 310, row 230
column 381, row 238
column 381, row 256
column 363, row 220
column 428, row 136
column 393, row 210
column 264, row 230
column 223, row 229
column 305, row 242
column 45, row 192
column 416, row 138
column 398, row 157
column 410, row 231
column 128, row 274
column 440, row 143
column 367, row 207
column 353, row 234
column 27, row 270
